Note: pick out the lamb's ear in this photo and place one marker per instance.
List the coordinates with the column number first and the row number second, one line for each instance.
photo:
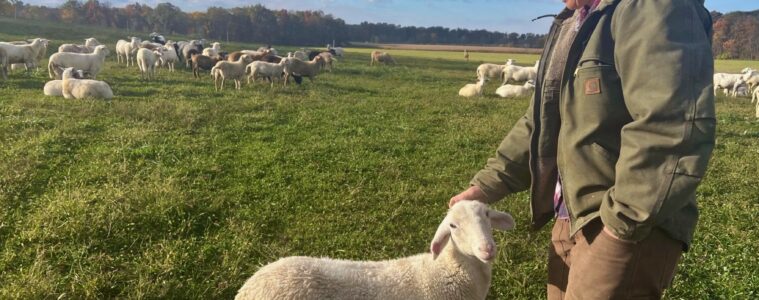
column 501, row 220
column 442, row 235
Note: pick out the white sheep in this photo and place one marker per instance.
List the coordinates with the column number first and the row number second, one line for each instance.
column 302, row 55
column 515, row 91
column 146, row 61
column 213, row 52
column 169, row 57
column 489, row 71
column 740, row 89
column 725, row 81
column 751, row 77
column 261, row 69
column 55, row 87
column 84, row 88
column 271, row 51
column 91, row 63
column 88, row 47
column 472, row 89
column 41, row 54
column 127, row 50
column 24, row 54
column 458, row 267
column 519, row 73
column 224, row 70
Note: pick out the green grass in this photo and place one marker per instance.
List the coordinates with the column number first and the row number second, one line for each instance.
column 173, row 190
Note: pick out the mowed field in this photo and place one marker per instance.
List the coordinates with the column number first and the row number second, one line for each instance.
column 173, row 190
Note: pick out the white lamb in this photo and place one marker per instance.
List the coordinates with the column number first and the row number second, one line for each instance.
column 146, row 61
column 41, row 54
column 24, row 54
column 751, row 77
column 489, row 71
column 91, row 63
column 88, row 47
column 262, row 69
column 725, row 81
column 84, row 88
column 460, row 269
column 472, row 89
column 126, row 51
column 519, row 73
column 55, row 87
column 212, row 52
column 224, row 70
column 515, row 91
column 169, row 57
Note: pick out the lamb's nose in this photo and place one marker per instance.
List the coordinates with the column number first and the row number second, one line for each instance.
column 487, row 249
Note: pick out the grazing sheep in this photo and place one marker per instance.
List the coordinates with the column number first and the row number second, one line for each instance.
column 262, row 69
column 24, row 54
column 725, row 81
column 489, row 71
column 515, row 91
column 84, row 88
column 3, row 64
column 201, row 62
column 381, row 58
column 472, row 89
column 329, row 60
column 224, row 70
column 90, row 62
column 88, row 47
column 297, row 67
column 169, row 57
column 459, row 266
column 213, row 51
column 146, row 61
column 519, row 73
column 55, row 87
column 41, row 54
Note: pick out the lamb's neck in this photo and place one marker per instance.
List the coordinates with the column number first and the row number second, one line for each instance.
column 468, row 268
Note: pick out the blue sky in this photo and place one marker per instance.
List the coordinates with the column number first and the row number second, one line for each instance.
column 508, row 16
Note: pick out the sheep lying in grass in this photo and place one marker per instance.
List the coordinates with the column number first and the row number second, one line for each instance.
column 519, row 73
column 382, row 58
column 262, row 69
column 459, row 269
column 297, row 67
column 55, row 87
column 88, row 47
column 147, row 60
column 224, row 70
column 84, row 88
column 90, row 62
column 472, row 89
column 515, row 91
column 24, row 54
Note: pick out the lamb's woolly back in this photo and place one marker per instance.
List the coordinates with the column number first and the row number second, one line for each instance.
column 84, row 88
column 457, row 270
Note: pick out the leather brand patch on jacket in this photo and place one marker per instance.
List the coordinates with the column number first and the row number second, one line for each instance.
column 593, row 86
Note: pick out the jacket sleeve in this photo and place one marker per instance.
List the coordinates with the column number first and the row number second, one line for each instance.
column 664, row 60
column 508, row 171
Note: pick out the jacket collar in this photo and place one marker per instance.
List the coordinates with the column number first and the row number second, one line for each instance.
column 566, row 13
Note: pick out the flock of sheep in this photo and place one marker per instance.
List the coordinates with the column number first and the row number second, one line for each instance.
column 739, row 85
column 73, row 64
column 506, row 73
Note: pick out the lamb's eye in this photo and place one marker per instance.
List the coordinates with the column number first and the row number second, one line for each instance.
column 453, row 226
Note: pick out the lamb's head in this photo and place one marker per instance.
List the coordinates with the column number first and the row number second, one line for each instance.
column 68, row 73
column 102, row 50
column 470, row 224
column 91, row 42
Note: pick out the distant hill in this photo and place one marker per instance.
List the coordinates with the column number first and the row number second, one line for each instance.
column 736, row 35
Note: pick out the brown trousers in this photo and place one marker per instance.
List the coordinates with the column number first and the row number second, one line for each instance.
column 593, row 265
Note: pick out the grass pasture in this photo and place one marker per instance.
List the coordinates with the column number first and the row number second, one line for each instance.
column 173, row 190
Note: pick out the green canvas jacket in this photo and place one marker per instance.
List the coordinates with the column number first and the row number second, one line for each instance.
column 635, row 128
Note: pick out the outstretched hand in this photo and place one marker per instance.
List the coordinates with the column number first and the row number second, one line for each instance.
column 472, row 193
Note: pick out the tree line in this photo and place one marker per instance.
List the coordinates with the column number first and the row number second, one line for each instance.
column 736, row 35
